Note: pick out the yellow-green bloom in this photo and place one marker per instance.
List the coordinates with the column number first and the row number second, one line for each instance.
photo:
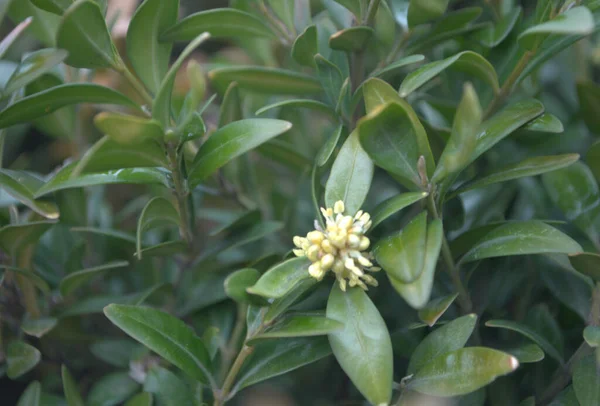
column 340, row 248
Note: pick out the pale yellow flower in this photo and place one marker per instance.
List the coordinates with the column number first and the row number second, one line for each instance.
column 341, row 248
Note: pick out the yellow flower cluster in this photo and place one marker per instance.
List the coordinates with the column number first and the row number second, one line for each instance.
column 341, row 247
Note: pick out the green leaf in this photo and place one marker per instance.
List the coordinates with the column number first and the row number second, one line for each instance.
column 493, row 35
column 424, row 11
column 20, row 358
column 521, row 238
column 586, row 381
column 84, row 35
column 529, row 333
column 575, row 191
column 463, row 138
column 32, row 67
column 276, row 357
column 118, row 353
column 14, row 238
column 112, row 389
column 127, row 129
column 350, row 176
column 433, row 310
column 70, row 388
column 330, row 77
column 44, row 24
column 378, row 93
column 328, row 147
column 237, row 283
column 527, row 353
column 60, row 6
column 591, row 335
column 462, row 371
column 466, row 61
column 566, row 398
column 363, row 348
column 168, row 388
column 167, row 336
column 32, row 276
column 393, row 205
column 14, row 34
column 577, row 20
column 546, row 123
column 38, row 327
column 299, row 325
column 161, row 106
column 63, row 180
column 357, row 7
column 141, row 399
column 529, row 167
column 351, row 39
column 279, row 280
column 394, row 138
column 449, row 337
column 300, row 290
column 231, row 141
column 148, row 56
column 588, row 94
column 397, row 64
column 74, row 280
column 299, row 104
column 587, row 263
column 32, row 395
column 304, row 48
column 48, row 101
column 22, row 186
column 266, row 80
column 402, row 255
column 221, row 22
column 159, row 212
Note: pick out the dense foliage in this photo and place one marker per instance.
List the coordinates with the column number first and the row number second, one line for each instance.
column 321, row 202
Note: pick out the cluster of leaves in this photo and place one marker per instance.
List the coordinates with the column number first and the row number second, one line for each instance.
column 437, row 117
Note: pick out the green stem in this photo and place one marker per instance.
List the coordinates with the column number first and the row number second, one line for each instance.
column 372, row 12
column 223, row 396
column 236, row 335
column 181, row 195
column 134, row 81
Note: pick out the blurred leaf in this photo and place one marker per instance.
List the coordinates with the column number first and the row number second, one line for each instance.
column 220, row 22
column 74, row 280
column 127, row 129
column 237, row 283
column 521, row 238
column 431, row 313
column 165, row 335
column 280, row 279
column 32, row 395
column 44, row 25
column 449, row 337
column 60, row 6
column 168, row 388
column 466, row 61
column 231, row 107
column 115, row 352
column 592, row 159
column 393, row 205
column 588, row 94
column 48, row 101
column 164, row 249
column 351, row 39
column 299, row 103
column 546, row 123
column 22, row 185
column 112, row 389
column 587, row 263
column 577, row 20
column 566, row 398
column 15, row 237
column 331, row 78
column 350, row 176
column 424, row 11
column 232, row 141
column 159, row 212
column 399, row 63
column 299, row 325
column 32, row 67
column 38, row 327
column 32, row 276
column 20, row 358
column 493, row 35
column 305, row 47
column 527, row 353
column 266, row 80
column 70, row 388
column 586, row 381
column 14, row 34
column 141, row 399
column 328, row 147
column 148, row 56
column 363, row 348
column 84, row 35
column 591, row 335
column 462, row 371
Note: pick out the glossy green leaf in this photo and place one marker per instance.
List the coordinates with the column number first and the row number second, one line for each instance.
column 330, row 77
column 587, row 263
column 159, row 212
column 70, row 388
column 266, row 80
column 167, row 387
column 350, row 176
column 591, row 335
column 431, row 313
column 397, row 64
column 363, row 347
column 466, row 61
column 299, row 325
column 14, row 238
column 522, row 238
column 20, row 358
column 63, row 180
column 237, row 283
column 588, row 94
column 60, row 6
column 281, row 278
column 546, row 123
column 119, row 236
column 351, row 39
column 393, row 205
column 394, row 138
column 493, row 35
column 84, row 35
column 127, row 129
column 577, row 20
column 32, row 67
column 141, row 399
column 462, row 371
column 148, row 56
column 112, row 389
column 529, row 333
column 22, row 186
column 402, row 255
column 299, row 104
column 418, row 292
column 300, row 289
column 449, row 337
column 328, row 147
column 32, row 276
column 48, row 101
column 304, row 48
column 529, row 167
column 38, row 327
column 586, row 381
column 32, row 395
column 378, row 93
column 221, row 22
column 424, row 11
column 167, row 336
column 527, row 353
column 232, row 141
column 74, row 280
